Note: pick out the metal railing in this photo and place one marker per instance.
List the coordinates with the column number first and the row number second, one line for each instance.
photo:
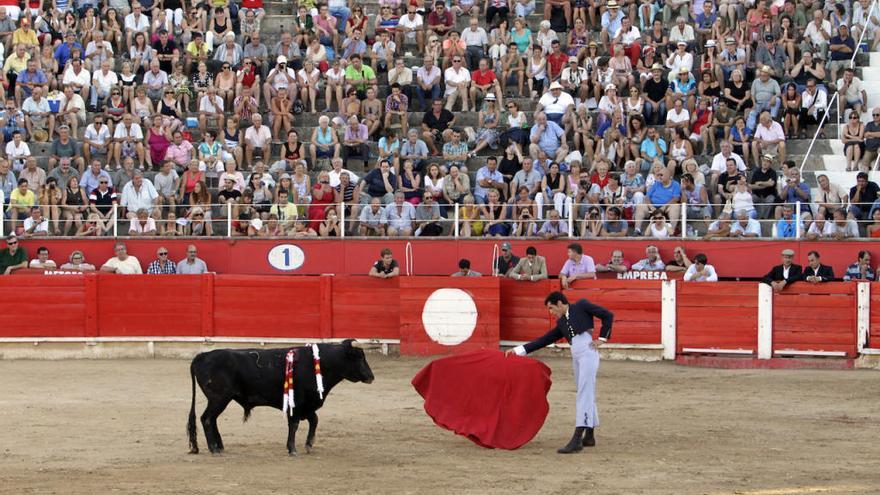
column 578, row 220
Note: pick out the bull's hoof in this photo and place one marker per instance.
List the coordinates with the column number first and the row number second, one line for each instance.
column 292, row 453
column 194, row 451
column 308, row 449
column 216, row 452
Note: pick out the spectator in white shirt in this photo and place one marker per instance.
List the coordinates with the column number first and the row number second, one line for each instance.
column 36, row 225
column 37, row 113
column 476, row 41
column 42, row 260
column 409, row 28
column 700, row 270
column 103, row 81
column 210, row 107
column 256, row 137
column 139, row 194
column 769, row 139
column 814, row 104
column 155, row 80
column 17, row 151
column 122, row 263
column 457, row 80
column 77, row 77
column 128, row 141
column 96, row 140
column 136, row 22
column 745, row 226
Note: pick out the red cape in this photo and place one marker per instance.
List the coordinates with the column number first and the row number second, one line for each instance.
column 496, row 401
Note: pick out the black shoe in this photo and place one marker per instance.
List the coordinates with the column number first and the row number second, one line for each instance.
column 574, row 445
column 589, row 439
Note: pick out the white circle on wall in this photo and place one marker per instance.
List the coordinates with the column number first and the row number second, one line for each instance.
column 449, row 316
column 286, row 257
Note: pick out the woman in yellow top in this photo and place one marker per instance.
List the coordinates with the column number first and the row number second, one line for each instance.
column 469, row 218
column 21, row 200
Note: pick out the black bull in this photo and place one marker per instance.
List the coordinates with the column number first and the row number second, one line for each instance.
column 255, row 377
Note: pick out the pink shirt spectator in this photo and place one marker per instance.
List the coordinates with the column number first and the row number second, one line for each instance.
column 585, row 265
column 361, row 134
column 772, row 133
column 328, row 24
column 180, row 154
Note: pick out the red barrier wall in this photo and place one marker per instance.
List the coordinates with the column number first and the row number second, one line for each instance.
column 636, row 306
column 820, row 317
column 723, row 315
column 440, row 257
column 523, row 315
column 874, row 326
column 414, row 293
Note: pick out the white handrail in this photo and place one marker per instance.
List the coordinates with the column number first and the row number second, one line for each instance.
column 496, row 252
column 115, row 220
column 229, row 219
column 455, row 227
column 819, row 129
column 409, row 259
column 342, row 220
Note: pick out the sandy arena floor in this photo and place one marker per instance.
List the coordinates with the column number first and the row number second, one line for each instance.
column 99, row 427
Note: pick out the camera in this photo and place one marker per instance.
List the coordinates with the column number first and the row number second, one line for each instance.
column 584, row 183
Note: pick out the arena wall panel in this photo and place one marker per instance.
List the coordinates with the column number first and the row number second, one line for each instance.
column 874, row 325
column 39, row 306
column 246, row 305
column 522, row 312
column 636, row 305
column 437, row 314
column 816, row 317
column 722, row 315
column 365, row 307
column 440, row 256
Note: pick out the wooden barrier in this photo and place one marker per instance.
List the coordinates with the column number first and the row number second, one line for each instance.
column 815, row 318
column 809, row 320
column 444, row 315
column 635, row 303
column 365, row 307
column 721, row 316
column 523, row 315
column 39, row 306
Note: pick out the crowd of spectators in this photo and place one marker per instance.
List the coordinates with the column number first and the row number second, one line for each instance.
column 578, row 265
column 176, row 119
column 14, row 257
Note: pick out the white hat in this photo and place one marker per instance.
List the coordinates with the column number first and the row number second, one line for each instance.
column 490, row 96
column 281, row 59
column 555, row 85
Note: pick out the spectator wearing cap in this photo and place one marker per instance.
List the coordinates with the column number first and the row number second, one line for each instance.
column 611, row 21
column 683, row 88
column 782, row 275
column 679, row 59
column 575, row 80
column 766, row 94
column 64, row 51
column 700, row 270
column 557, row 105
column 464, row 269
column 505, row 262
column 861, row 269
column 13, row 256
column 732, row 57
column 771, row 55
column 531, row 267
column 280, row 77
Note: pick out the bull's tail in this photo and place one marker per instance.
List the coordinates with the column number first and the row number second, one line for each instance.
column 191, row 428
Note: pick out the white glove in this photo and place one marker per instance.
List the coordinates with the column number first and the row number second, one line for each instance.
column 519, row 350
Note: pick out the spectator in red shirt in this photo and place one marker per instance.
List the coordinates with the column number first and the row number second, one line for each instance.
column 556, row 60
column 483, row 81
column 440, row 21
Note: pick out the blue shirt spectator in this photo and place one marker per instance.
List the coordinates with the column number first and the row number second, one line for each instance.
column 661, row 195
column 549, row 139
column 490, row 173
column 62, row 53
